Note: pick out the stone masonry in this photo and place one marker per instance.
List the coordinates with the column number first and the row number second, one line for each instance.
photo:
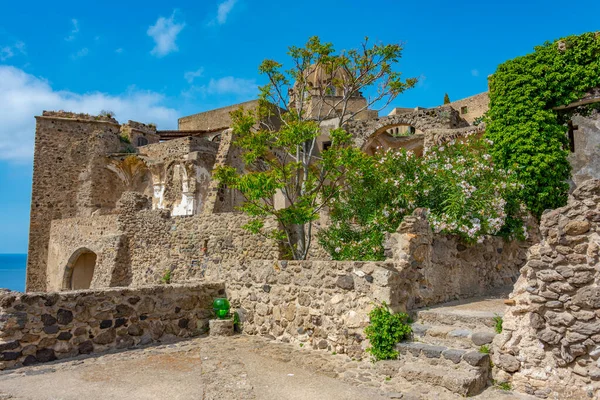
column 550, row 345
column 42, row 327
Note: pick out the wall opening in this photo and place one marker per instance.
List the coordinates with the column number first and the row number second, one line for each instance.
column 80, row 270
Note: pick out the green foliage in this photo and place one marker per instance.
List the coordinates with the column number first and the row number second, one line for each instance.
column 166, row 278
column 385, row 330
column 503, row 385
column 284, row 160
column 528, row 135
column 124, row 139
column 446, row 98
column 498, row 324
column 485, row 349
column 237, row 324
column 464, row 194
column 107, row 113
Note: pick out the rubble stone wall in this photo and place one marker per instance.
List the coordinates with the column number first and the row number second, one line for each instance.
column 441, row 268
column 184, row 245
column 322, row 304
column 42, row 327
column 550, row 345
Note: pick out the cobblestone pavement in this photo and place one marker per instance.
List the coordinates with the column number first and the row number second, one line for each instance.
column 239, row 367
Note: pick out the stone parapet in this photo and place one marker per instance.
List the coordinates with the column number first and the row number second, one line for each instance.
column 42, row 327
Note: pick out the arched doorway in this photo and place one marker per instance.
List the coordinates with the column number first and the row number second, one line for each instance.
column 80, row 270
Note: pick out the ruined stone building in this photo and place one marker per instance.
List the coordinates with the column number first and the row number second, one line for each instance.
column 120, row 208
column 116, row 205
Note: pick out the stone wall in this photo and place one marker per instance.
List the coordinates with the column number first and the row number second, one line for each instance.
column 441, row 268
column 72, row 237
column 42, row 327
column 550, row 345
column 322, row 304
column 472, row 107
column 69, row 178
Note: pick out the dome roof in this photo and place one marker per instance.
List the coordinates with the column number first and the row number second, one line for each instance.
column 319, row 76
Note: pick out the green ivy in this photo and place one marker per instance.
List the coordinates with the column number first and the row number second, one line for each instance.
column 529, row 136
column 385, row 331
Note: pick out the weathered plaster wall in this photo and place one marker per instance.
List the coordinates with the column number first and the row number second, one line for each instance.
column 98, row 234
column 42, row 327
column 441, row 268
column 550, row 345
column 475, row 106
column 585, row 161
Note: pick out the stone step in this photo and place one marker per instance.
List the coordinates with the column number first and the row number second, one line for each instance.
column 460, row 317
column 464, row 372
column 452, row 336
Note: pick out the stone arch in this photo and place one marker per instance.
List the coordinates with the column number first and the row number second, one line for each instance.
column 79, row 271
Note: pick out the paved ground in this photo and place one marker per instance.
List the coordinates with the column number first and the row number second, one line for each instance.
column 242, row 367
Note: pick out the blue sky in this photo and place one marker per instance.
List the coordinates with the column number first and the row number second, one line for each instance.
column 156, row 61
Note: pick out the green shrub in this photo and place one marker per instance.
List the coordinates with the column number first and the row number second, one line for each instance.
column 166, row 278
column 446, row 98
column 385, row 331
column 485, row 349
column 498, row 324
column 528, row 135
column 464, row 193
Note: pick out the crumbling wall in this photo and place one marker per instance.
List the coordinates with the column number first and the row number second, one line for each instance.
column 442, row 268
column 550, row 345
column 69, row 178
column 42, row 327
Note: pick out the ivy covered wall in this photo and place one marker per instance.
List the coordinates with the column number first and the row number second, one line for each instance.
column 528, row 135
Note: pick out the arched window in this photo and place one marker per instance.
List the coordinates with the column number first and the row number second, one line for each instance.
column 142, row 141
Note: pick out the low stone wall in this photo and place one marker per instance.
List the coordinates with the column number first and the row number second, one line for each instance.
column 42, row 327
column 323, row 304
column 441, row 268
column 550, row 345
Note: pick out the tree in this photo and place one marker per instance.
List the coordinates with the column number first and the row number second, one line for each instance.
column 446, row 98
column 321, row 85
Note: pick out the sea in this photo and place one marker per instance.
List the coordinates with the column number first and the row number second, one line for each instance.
column 12, row 271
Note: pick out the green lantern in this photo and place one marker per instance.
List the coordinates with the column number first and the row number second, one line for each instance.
column 221, row 307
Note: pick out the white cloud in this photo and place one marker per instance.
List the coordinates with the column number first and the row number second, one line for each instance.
column 23, row 96
column 74, row 31
column 119, row 50
column 475, row 72
column 164, row 32
column 191, row 75
column 224, row 9
column 232, row 85
column 81, row 53
column 7, row 52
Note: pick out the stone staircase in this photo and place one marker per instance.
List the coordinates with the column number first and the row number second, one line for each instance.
column 446, row 346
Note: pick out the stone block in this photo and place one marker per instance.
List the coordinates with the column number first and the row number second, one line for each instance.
column 481, row 338
column 221, row 327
